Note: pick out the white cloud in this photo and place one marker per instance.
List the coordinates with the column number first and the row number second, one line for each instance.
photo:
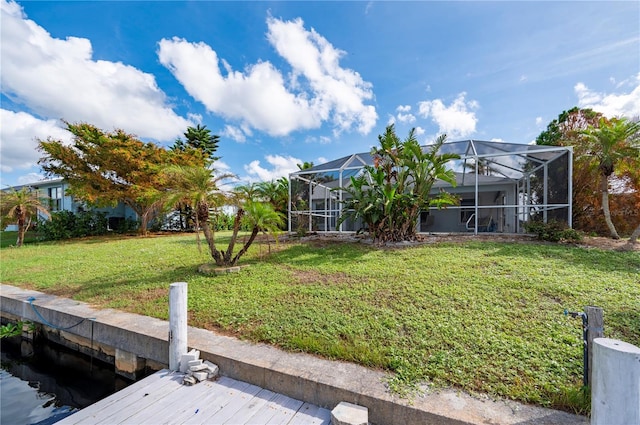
column 59, row 79
column 322, row 140
column 611, row 105
column 221, row 167
column 406, row 118
column 420, row 131
column 456, row 120
column 404, row 115
column 18, row 134
column 281, row 166
column 391, row 120
column 321, row 160
column 538, row 121
column 318, row 90
column 234, row 133
column 30, row 178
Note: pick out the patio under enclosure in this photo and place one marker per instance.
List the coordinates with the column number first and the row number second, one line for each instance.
column 500, row 186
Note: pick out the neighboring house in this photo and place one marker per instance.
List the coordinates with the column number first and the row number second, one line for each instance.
column 54, row 191
column 500, row 186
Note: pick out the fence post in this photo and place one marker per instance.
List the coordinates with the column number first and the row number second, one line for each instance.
column 595, row 329
column 177, row 323
column 615, row 391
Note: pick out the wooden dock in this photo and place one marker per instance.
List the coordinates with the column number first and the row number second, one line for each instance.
column 162, row 399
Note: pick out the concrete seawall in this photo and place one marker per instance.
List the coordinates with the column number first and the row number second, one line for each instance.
column 131, row 341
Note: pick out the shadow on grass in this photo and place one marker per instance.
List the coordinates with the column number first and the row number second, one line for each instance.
column 597, row 259
column 118, row 287
column 313, row 254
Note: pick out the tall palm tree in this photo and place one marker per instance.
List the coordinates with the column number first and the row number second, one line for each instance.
column 19, row 207
column 613, row 142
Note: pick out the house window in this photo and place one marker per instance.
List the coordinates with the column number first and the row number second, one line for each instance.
column 55, row 198
column 466, row 213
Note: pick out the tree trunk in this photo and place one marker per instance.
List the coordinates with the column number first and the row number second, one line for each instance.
column 208, row 235
column 246, row 246
column 21, row 231
column 604, row 187
column 234, row 236
column 635, row 235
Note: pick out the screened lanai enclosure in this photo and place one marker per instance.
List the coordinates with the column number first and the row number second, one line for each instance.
column 500, row 187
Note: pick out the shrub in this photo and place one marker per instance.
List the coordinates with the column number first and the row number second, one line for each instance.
column 553, row 231
column 222, row 221
column 67, row 225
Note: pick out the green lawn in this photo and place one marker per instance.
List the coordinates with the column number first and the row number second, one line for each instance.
column 482, row 316
column 8, row 239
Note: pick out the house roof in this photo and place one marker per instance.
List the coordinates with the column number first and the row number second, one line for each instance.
column 36, row 185
column 501, row 154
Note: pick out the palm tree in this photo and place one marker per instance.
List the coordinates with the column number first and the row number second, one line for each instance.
column 259, row 217
column 613, row 142
column 19, row 207
column 198, row 187
column 275, row 192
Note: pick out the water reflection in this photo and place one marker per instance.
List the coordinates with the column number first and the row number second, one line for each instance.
column 42, row 383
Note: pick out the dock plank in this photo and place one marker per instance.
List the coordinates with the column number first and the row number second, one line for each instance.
column 251, row 408
column 185, row 397
column 162, row 399
column 120, row 412
column 162, row 377
column 235, row 404
column 226, row 389
column 284, row 407
column 310, row 414
column 184, row 402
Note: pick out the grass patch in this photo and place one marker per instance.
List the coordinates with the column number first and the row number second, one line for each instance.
column 9, row 239
column 481, row 316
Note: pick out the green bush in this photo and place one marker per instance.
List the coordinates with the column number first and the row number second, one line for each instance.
column 222, row 221
column 128, row 225
column 553, row 231
column 68, row 225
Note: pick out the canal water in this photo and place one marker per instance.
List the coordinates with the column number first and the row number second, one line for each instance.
column 42, row 382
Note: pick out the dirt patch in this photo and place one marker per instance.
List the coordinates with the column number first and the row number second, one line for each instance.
column 313, row 277
column 608, row 244
column 590, row 242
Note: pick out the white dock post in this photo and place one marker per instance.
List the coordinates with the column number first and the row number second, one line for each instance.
column 615, row 390
column 177, row 323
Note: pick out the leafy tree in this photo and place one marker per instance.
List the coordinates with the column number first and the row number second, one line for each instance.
column 19, row 207
column 305, row 165
column 197, row 186
column 106, row 168
column 611, row 144
column 199, row 138
column 390, row 195
column 566, row 131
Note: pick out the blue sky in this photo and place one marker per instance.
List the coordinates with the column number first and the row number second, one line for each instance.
column 288, row 82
